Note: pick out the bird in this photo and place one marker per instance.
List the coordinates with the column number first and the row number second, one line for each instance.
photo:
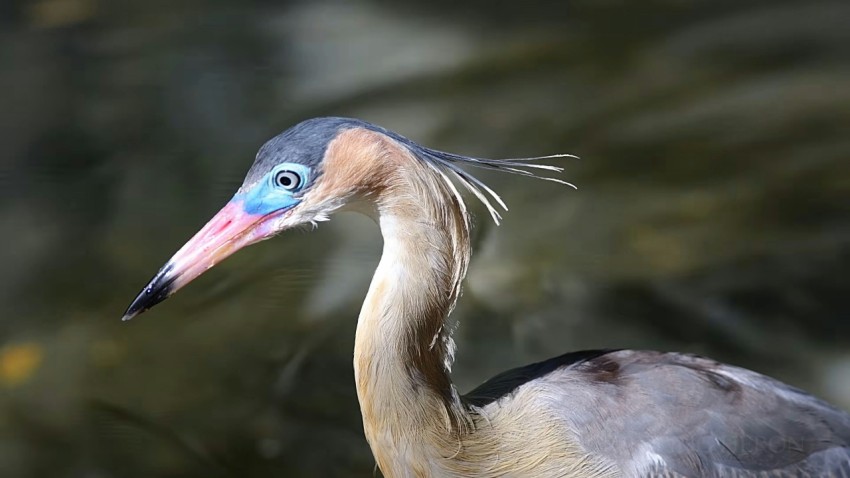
column 596, row 413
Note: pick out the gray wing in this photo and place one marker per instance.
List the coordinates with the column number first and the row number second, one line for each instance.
column 664, row 414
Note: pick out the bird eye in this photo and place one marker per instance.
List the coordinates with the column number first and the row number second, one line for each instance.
column 288, row 180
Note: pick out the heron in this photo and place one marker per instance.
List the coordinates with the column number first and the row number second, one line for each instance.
column 600, row 413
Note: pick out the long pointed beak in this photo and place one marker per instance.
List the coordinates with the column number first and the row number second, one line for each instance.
column 227, row 232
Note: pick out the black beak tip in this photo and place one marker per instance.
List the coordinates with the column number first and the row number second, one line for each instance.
column 159, row 288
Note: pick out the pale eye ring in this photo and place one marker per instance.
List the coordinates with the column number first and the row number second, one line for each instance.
column 286, row 179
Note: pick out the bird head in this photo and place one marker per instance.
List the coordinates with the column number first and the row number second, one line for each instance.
column 303, row 175
column 292, row 182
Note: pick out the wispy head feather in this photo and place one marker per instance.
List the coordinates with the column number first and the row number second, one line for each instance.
column 451, row 163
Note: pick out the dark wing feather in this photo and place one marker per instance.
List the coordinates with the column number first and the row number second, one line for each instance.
column 666, row 414
column 506, row 382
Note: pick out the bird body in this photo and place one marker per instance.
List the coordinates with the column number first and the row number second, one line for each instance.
column 588, row 414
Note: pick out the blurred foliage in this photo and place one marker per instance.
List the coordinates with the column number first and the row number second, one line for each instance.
column 711, row 216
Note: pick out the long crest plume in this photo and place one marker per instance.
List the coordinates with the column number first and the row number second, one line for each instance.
column 449, row 164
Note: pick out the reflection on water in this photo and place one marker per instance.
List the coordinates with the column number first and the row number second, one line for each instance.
column 711, row 214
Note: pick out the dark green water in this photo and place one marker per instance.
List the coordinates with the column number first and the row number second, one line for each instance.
column 712, row 216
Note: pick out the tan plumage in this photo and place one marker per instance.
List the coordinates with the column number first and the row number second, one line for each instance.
column 412, row 414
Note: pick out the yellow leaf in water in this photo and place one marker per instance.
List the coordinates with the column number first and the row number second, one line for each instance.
column 18, row 362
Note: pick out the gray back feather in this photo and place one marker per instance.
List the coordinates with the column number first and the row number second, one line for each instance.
column 675, row 414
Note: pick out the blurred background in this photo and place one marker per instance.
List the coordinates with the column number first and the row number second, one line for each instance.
column 712, row 215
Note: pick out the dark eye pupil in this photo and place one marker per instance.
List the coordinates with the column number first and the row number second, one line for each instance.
column 287, row 179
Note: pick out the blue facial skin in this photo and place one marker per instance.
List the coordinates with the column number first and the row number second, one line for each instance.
column 266, row 196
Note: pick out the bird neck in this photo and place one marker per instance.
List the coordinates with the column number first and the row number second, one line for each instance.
column 403, row 348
